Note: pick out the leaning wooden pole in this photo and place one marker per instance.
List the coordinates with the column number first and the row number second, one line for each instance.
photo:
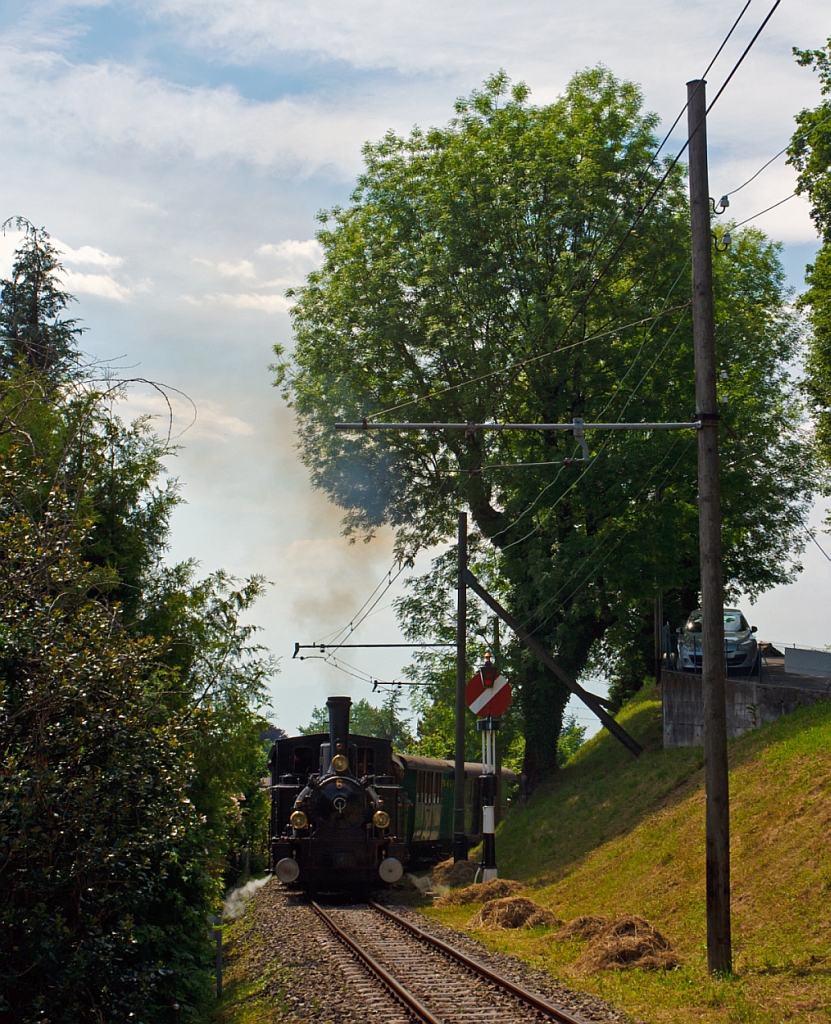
column 719, row 945
column 589, row 699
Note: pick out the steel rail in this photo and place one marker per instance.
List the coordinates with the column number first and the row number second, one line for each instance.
column 496, row 979
column 402, row 994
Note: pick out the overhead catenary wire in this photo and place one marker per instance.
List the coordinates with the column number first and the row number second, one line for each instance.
column 365, row 677
column 338, row 632
column 591, row 464
column 603, row 412
column 369, row 605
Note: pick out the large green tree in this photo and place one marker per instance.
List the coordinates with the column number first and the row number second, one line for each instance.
column 488, row 270
column 810, row 153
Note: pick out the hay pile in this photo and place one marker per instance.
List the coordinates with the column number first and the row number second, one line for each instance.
column 624, row 943
column 454, row 876
column 482, row 892
column 581, row 928
column 512, row 912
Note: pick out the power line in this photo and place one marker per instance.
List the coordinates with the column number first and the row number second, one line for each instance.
column 672, row 128
column 822, row 549
column 608, row 555
column 739, row 62
column 704, row 75
column 531, row 359
column 767, row 209
column 781, row 152
column 646, row 170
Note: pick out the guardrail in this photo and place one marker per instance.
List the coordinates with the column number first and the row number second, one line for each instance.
column 789, row 658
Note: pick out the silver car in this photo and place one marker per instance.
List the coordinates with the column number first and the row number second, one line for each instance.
column 740, row 647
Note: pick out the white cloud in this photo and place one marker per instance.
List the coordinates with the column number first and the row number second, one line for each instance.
column 264, row 303
column 205, row 419
column 293, row 254
column 107, row 105
column 102, row 285
column 87, row 254
column 293, row 258
column 243, row 300
column 242, row 268
column 469, row 36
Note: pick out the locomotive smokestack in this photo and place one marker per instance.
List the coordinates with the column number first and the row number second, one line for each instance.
column 339, row 725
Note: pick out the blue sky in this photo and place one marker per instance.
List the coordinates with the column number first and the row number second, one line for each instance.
column 178, row 151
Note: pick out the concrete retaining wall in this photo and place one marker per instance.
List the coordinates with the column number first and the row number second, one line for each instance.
column 749, row 705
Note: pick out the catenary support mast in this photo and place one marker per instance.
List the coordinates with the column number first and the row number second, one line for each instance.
column 459, row 839
column 719, row 951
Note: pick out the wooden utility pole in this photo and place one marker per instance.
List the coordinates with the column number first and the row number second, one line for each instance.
column 719, row 948
column 459, row 839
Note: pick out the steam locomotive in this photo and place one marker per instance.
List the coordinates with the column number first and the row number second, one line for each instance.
column 349, row 813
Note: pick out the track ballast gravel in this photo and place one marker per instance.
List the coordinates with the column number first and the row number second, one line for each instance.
column 313, row 978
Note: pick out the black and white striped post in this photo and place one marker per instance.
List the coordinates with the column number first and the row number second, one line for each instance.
column 489, row 789
column 488, row 695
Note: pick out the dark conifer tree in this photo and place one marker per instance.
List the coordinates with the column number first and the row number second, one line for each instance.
column 32, row 329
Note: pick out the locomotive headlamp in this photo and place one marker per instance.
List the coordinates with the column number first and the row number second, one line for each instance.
column 340, row 762
column 299, row 820
column 380, row 819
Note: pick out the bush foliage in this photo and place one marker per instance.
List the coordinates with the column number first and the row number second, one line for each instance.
column 129, row 700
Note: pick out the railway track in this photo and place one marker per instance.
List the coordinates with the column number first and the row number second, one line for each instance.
column 433, row 981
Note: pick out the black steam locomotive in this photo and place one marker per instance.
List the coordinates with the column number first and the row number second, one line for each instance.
column 348, row 813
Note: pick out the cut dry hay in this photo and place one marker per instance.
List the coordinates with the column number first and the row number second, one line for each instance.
column 581, row 928
column 626, row 943
column 512, row 912
column 454, row 876
column 482, row 892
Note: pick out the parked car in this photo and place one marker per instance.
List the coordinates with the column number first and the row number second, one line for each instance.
column 740, row 647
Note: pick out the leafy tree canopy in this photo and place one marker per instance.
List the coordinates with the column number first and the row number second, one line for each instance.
column 810, row 153
column 486, row 271
column 389, row 722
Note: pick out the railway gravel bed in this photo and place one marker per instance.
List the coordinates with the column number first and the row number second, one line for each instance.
column 314, row 980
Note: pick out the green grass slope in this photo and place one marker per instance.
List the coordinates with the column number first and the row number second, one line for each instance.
column 615, row 835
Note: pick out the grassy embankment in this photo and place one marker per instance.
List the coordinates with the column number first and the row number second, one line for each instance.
column 615, row 835
column 252, row 992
